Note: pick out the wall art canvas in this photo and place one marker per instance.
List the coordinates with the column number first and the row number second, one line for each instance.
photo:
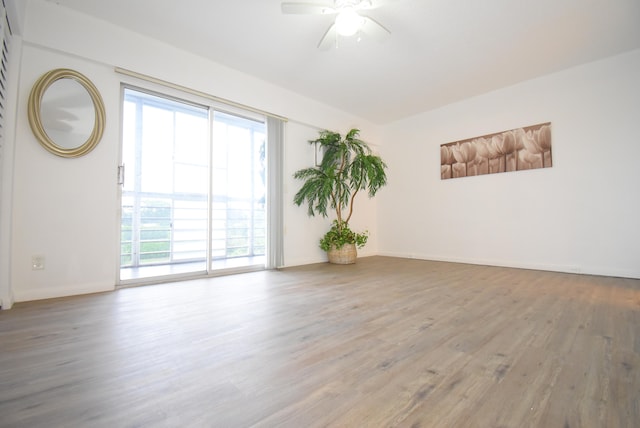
column 513, row 150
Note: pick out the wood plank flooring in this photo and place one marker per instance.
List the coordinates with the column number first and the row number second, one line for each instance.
column 386, row 342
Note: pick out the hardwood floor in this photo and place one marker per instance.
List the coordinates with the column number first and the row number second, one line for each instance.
column 385, row 342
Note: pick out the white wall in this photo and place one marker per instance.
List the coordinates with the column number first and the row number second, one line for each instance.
column 67, row 209
column 581, row 215
column 578, row 216
column 64, row 209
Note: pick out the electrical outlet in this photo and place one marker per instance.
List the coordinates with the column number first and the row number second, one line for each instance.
column 37, row 262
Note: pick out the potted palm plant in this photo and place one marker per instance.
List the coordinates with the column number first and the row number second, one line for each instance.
column 347, row 167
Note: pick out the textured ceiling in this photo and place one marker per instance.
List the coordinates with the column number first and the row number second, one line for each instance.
column 439, row 52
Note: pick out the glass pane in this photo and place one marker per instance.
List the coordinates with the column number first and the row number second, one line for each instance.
column 165, row 194
column 238, row 203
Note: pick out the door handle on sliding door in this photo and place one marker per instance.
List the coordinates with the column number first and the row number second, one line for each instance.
column 121, row 175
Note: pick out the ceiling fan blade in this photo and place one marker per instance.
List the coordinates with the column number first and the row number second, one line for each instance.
column 307, row 8
column 374, row 29
column 329, row 39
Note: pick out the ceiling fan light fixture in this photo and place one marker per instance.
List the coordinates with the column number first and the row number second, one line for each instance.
column 348, row 22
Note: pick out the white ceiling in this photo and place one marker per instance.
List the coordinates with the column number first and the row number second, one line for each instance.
column 439, row 52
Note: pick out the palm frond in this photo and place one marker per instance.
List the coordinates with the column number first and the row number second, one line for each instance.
column 347, row 167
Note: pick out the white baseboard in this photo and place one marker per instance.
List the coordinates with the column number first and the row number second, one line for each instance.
column 302, row 262
column 309, row 261
column 52, row 293
column 587, row 270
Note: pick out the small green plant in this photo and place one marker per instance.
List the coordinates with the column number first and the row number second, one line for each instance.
column 347, row 167
column 337, row 237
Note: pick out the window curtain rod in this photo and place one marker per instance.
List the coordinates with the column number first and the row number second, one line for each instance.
column 194, row 92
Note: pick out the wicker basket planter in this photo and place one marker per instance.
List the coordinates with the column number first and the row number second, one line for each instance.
column 343, row 256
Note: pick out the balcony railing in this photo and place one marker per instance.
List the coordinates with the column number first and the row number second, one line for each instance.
column 160, row 229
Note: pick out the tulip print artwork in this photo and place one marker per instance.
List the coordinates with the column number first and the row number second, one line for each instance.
column 515, row 150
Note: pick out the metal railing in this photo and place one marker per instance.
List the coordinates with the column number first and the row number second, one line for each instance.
column 160, row 229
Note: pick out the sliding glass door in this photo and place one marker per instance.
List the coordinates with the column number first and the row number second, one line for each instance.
column 238, row 191
column 193, row 194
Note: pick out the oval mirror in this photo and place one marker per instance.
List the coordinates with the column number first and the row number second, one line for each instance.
column 66, row 113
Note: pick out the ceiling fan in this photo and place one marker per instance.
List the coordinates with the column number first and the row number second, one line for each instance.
column 349, row 19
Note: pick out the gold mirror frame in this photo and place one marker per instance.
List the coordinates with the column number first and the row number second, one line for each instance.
column 35, row 109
